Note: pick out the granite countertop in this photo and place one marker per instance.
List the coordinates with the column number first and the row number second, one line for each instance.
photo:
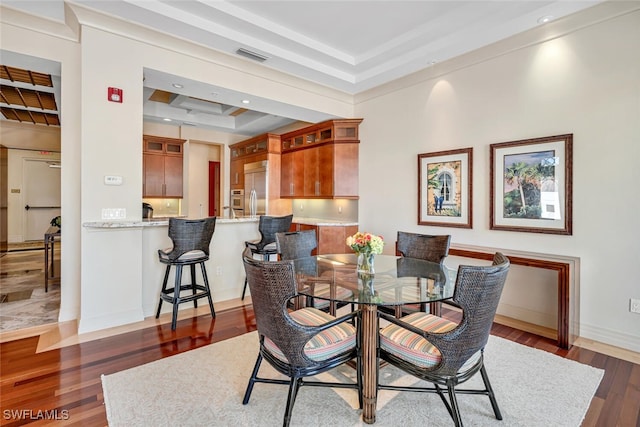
column 157, row 222
column 323, row 222
column 164, row 221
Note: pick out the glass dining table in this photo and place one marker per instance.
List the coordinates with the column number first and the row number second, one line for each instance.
column 397, row 281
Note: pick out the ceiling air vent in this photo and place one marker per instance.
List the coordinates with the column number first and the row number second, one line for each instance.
column 251, row 55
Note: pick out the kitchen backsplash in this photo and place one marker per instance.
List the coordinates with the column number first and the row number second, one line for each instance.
column 338, row 209
column 165, row 207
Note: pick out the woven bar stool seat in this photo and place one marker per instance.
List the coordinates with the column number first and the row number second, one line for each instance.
column 191, row 240
column 266, row 246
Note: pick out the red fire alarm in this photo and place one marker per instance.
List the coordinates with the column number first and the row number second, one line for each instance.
column 114, row 94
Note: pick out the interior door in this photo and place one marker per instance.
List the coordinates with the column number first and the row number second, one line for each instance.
column 214, row 188
column 41, row 196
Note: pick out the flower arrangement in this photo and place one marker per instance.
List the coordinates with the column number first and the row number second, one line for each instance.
column 365, row 243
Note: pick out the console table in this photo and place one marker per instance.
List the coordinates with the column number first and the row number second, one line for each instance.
column 567, row 269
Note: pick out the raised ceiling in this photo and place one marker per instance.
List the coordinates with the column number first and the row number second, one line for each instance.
column 25, row 104
column 351, row 46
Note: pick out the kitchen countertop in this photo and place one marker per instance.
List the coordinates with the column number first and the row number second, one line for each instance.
column 157, row 222
column 164, row 221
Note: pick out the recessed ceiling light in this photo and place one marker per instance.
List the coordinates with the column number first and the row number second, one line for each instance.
column 246, row 101
column 177, row 85
column 166, row 119
column 545, row 19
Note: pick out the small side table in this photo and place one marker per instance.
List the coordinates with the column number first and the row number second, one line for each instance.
column 50, row 238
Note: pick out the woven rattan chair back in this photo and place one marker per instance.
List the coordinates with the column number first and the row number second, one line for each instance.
column 268, row 226
column 477, row 293
column 266, row 246
column 190, row 235
column 191, row 240
column 272, row 285
column 424, row 246
column 296, row 244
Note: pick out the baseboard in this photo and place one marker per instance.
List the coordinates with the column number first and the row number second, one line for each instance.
column 92, row 324
column 533, row 317
column 614, row 338
column 602, row 341
column 526, row 326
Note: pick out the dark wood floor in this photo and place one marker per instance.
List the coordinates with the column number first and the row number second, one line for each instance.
column 65, row 383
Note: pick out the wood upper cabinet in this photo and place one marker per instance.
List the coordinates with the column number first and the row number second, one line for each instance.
column 236, row 171
column 162, row 175
column 292, row 174
column 328, row 153
column 255, row 149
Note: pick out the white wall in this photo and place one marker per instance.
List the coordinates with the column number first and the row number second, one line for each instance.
column 586, row 83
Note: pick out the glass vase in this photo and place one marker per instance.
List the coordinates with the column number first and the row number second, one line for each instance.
column 366, row 263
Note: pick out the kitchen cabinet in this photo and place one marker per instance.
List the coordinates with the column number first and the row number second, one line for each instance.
column 321, row 161
column 292, row 174
column 331, row 238
column 256, row 149
column 162, row 160
column 236, row 170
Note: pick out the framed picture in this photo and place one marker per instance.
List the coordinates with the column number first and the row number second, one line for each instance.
column 444, row 188
column 531, row 185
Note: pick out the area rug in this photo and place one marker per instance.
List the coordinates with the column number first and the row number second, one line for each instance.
column 205, row 387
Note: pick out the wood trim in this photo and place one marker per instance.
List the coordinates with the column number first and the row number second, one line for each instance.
column 568, row 319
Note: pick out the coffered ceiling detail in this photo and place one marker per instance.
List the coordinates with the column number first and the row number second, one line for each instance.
column 348, row 45
column 20, row 103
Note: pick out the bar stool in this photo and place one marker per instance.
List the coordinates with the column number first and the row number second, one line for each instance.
column 191, row 240
column 266, row 246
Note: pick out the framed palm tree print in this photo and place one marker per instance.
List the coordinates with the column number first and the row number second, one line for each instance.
column 444, row 188
column 531, row 185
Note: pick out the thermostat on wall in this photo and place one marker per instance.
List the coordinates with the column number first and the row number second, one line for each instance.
column 112, row 180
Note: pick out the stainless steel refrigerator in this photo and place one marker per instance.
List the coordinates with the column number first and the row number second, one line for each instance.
column 256, row 188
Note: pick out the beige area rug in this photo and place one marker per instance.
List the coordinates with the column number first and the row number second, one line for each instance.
column 205, row 387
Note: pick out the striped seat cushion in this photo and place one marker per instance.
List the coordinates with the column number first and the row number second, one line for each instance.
column 324, row 290
column 326, row 344
column 412, row 347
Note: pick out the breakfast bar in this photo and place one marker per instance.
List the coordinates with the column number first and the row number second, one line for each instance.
column 224, row 267
column 141, row 276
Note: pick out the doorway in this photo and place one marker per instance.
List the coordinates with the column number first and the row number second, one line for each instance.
column 214, row 188
column 33, row 143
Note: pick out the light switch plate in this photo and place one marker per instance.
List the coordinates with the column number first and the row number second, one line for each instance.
column 113, row 180
column 114, row 213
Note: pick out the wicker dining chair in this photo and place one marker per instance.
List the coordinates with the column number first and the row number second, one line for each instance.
column 191, row 240
column 424, row 246
column 300, row 244
column 300, row 343
column 433, row 248
column 445, row 353
column 268, row 226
